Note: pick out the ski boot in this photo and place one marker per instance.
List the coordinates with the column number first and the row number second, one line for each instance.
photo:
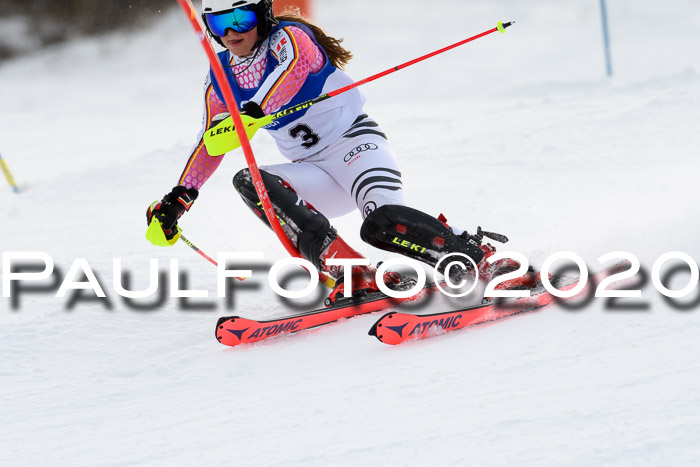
column 363, row 283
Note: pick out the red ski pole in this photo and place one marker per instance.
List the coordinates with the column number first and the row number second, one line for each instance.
column 219, row 140
column 200, row 252
column 500, row 27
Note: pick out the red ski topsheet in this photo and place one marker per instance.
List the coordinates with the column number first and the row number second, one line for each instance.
column 394, row 328
column 234, row 330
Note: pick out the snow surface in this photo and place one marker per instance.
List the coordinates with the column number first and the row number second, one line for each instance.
column 520, row 133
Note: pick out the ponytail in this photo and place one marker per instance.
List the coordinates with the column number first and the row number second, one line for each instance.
column 337, row 54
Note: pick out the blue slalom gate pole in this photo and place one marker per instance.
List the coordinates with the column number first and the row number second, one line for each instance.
column 8, row 175
column 606, row 37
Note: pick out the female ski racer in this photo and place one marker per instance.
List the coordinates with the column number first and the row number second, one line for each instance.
column 340, row 159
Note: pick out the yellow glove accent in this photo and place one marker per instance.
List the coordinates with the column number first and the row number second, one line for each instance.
column 156, row 236
column 223, row 137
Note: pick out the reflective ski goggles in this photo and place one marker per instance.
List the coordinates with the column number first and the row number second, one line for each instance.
column 240, row 20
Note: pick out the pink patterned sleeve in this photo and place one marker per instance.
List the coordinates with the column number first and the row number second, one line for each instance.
column 201, row 165
column 298, row 56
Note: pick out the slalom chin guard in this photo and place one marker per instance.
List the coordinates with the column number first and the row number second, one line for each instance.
column 156, row 236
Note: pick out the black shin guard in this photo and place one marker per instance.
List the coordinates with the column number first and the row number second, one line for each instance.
column 412, row 233
column 309, row 230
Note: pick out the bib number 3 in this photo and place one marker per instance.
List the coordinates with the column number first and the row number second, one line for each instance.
column 306, row 134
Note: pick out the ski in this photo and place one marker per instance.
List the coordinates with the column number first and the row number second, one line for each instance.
column 395, row 327
column 234, row 330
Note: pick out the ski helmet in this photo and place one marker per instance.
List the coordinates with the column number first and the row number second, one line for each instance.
column 262, row 8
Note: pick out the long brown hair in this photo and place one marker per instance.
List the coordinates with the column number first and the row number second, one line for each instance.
column 337, row 54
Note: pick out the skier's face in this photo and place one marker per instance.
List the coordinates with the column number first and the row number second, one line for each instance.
column 240, row 44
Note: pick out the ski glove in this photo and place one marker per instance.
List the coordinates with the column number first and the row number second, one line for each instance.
column 169, row 210
column 250, row 108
